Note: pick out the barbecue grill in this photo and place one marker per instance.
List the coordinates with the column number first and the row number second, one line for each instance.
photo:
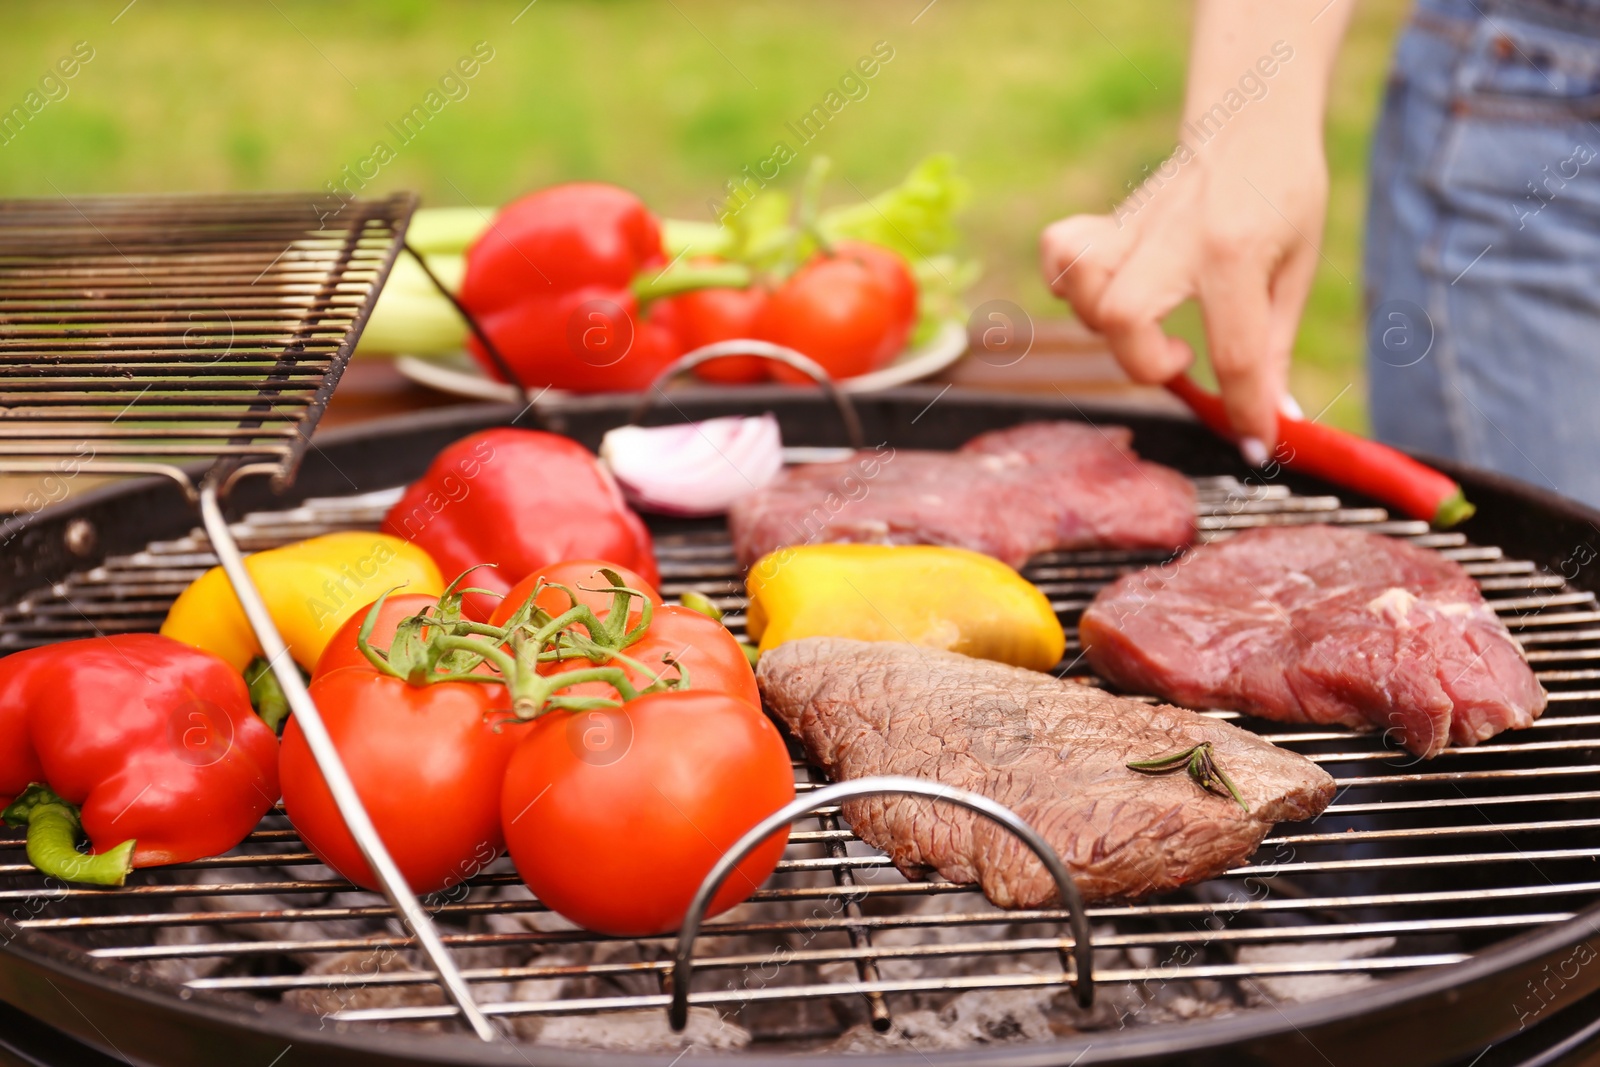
column 1437, row 913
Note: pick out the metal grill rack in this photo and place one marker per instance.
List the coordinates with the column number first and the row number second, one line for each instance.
column 145, row 331
column 1414, row 865
column 199, row 338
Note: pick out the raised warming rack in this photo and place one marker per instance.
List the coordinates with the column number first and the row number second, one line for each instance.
column 153, row 333
column 199, row 338
column 1414, row 865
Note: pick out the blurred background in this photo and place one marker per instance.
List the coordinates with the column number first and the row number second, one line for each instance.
column 1049, row 108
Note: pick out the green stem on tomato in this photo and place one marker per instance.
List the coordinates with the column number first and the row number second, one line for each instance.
column 658, row 678
column 533, row 694
column 452, row 650
column 611, row 635
column 54, row 830
column 618, row 634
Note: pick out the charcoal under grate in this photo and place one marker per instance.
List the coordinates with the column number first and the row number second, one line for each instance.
column 1414, row 865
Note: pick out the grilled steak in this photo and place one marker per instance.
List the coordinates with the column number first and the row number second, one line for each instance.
column 1318, row 624
column 1053, row 752
column 1010, row 494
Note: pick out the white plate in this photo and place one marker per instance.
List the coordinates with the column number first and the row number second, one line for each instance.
column 459, row 375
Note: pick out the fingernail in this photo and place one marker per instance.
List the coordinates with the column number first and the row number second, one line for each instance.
column 1253, row 451
column 1291, row 407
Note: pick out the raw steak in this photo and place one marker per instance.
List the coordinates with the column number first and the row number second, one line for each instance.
column 1318, row 624
column 1010, row 494
column 1053, row 752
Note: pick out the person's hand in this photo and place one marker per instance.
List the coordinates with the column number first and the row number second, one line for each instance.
column 1234, row 226
column 1232, row 218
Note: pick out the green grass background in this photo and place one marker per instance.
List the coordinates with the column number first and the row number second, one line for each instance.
column 1050, row 107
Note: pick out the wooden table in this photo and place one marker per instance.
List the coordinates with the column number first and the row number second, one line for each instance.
column 1064, row 358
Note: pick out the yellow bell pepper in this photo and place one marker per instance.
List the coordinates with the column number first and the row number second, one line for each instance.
column 926, row 595
column 311, row 587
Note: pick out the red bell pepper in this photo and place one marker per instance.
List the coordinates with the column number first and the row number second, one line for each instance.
column 1345, row 459
column 143, row 743
column 559, row 282
column 521, row 500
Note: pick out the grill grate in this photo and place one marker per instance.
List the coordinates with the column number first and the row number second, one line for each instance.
column 145, row 331
column 1413, row 865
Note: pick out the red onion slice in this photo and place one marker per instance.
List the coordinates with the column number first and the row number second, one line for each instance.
column 695, row 468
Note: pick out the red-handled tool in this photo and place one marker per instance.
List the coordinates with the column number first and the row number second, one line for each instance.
column 1345, row 459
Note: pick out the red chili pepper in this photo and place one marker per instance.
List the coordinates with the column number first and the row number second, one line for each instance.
column 849, row 309
column 145, row 744
column 1345, row 459
column 521, row 500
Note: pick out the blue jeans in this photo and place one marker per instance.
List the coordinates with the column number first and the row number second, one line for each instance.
column 1483, row 241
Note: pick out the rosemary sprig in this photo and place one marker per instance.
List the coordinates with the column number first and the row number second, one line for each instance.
column 1201, row 763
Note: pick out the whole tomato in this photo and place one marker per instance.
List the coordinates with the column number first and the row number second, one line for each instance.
column 615, row 817
column 427, row 762
column 583, row 577
column 706, row 316
column 895, row 274
column 846, row 309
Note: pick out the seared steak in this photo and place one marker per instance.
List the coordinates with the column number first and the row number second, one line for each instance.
column 1318, row 624
column 1009, row 494
column 1054, row 752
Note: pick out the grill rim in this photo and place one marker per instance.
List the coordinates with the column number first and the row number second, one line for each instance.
column 1421, row 1004
column 1432, row 1004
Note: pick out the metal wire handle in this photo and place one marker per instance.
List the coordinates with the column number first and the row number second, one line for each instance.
column 491, row 349
column 345, row 796
column 1082, row 949
column 789, row 357
column 303, row 349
